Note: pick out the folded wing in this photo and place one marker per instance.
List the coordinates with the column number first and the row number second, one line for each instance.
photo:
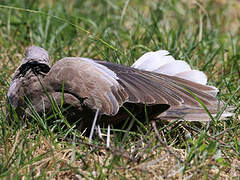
column 93, row 84
column 154, row 88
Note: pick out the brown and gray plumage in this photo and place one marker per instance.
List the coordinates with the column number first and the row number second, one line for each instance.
column 91, row 84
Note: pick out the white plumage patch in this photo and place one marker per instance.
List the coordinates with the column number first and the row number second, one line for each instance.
column 151, row 61
column 174, row 67
column 163, row 63
column 194, row 75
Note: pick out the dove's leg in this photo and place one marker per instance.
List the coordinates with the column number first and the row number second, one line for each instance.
column 108, row 136
column 93, row 125
column 99, row 132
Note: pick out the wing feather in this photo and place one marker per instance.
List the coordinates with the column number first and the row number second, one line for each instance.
column 164, row 89
column 175, row 85
column 159, row 93
column 93, row 83
column 106, row 86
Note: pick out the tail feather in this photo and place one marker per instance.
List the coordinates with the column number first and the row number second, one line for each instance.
column 161, row 62
column 151, row 61
column 193, row 75
column 192, row 114
column 173, row 68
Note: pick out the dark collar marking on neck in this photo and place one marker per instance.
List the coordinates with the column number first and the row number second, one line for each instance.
column 36, row 67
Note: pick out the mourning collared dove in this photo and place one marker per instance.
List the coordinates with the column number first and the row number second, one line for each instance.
column 166, row 86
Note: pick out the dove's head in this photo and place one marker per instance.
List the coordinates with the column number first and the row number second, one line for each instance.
column 37, row 54
column 36, row 59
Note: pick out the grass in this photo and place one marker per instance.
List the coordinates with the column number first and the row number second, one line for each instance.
column 203, row 33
